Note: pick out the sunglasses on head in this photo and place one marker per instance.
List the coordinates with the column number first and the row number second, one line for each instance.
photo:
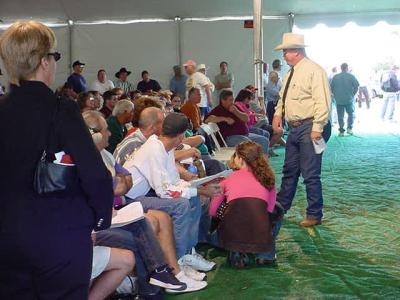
column 56, row 55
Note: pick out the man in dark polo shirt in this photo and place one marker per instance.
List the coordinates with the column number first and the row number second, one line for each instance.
column 232, row 122
column 76, row 80
column 148, row 84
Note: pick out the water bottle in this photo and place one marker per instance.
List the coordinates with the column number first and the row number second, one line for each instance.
column 192, row 169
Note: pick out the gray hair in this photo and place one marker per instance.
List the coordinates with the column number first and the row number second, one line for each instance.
column 121, row 107
column 273, row 74
column 92, row 119
column 149, row 116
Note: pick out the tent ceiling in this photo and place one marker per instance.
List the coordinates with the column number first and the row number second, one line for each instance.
column 92, row 10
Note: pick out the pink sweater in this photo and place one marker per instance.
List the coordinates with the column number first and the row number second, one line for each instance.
column 242, row 183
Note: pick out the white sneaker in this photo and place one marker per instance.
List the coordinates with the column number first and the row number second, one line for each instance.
column 350, row 131
column 197, row 262
column 191, row 284
column 192, row 273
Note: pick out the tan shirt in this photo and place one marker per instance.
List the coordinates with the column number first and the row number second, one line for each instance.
column 308, row 95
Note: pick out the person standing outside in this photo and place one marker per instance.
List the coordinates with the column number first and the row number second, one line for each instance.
column 390, row 86
column 344, row 87
column 304, row 103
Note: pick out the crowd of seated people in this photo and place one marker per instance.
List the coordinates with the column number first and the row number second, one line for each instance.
column 150, row 134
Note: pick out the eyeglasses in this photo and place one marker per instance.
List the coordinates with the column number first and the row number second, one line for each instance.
column 56, row 55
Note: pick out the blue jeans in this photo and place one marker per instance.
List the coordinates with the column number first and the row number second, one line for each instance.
column 389, row 100
column 300, row 158
column 233, row 140
column 260, row 131
column 350, row 115
column 185, row 214
column 271, row 255
column 139, row 238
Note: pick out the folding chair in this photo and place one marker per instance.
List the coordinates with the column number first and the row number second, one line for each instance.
column 223, row 152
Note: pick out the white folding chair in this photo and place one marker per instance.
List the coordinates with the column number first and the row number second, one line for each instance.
column 223, row 152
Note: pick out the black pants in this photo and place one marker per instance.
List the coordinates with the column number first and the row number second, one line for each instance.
column 45, row 266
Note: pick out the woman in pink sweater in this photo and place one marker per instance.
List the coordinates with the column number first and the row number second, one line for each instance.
column 254, row 180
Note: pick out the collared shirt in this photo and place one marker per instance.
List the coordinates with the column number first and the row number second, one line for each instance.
column 102, row 87
column 153, row 167
column 272, row 91
column 118, row 132
column 126, row 149
column 126, row 86
column 237, row 128
column 152, row 84
column 178, row 85
column 200, row 81
column 78, row 83
column 192, row 111
column 344, row 86
column 308, row 95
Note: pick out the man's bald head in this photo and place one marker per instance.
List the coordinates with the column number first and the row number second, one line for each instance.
column 151, row 118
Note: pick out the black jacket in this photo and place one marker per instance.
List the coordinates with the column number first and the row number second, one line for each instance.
column 25, row 117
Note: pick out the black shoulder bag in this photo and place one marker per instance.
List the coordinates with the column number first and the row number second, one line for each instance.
column 51, row 177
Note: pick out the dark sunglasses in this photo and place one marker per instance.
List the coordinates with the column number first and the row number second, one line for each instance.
column 56, row 55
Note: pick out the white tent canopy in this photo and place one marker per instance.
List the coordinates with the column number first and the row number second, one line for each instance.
column 156, row 46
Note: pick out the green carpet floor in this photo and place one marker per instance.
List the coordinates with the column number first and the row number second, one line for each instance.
column 355, row 254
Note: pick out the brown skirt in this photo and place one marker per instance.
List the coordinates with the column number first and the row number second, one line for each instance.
column 246, row 226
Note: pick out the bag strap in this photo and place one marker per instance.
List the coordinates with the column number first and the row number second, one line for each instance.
column 51, row 136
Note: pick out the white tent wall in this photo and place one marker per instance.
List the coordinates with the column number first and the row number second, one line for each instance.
column 138, row 47
column 154, row 47
column 213, row 42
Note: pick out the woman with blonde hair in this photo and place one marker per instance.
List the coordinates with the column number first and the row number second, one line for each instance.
column 248, row 198
column 45, row 228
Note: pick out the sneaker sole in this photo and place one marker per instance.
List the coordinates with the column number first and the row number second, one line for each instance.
column 167, row 285
column 185, row 291
column 202, row 270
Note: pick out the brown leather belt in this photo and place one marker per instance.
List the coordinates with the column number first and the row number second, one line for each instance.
column 294, row 124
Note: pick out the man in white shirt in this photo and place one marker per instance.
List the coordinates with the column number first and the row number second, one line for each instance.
column 200, row 81
column 102, row 83
column 153, row 167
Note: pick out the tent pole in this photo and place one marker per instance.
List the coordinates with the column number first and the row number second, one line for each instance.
column 291, row 21
column 258, row 46
column 70, row 39
column 178, row 21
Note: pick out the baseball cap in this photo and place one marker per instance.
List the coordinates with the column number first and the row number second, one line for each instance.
column 77, row 63
column 189, row 63
column 175, row 124
column 251, row 88
column 201, row 66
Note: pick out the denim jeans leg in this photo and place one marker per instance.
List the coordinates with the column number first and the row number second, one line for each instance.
column 261, row 140
column 195, row 215
column 340, row 116
column 310, row 166
column 391, row 105
column 118, row 238
column 180, row 211
column 350, row 115
column 147, row 243
column 291, row 171
column 271, row 255
column 234, row 140
column 259, row 131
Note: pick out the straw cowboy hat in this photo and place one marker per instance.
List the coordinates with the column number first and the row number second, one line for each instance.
column 291, row 41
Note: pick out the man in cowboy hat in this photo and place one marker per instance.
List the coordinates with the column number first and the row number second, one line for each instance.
column 305, row 104
column 122, row 81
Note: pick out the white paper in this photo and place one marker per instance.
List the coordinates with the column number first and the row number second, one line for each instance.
column 131, row 213
column 59, row 156
column 319, row 145
column 201, row 181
